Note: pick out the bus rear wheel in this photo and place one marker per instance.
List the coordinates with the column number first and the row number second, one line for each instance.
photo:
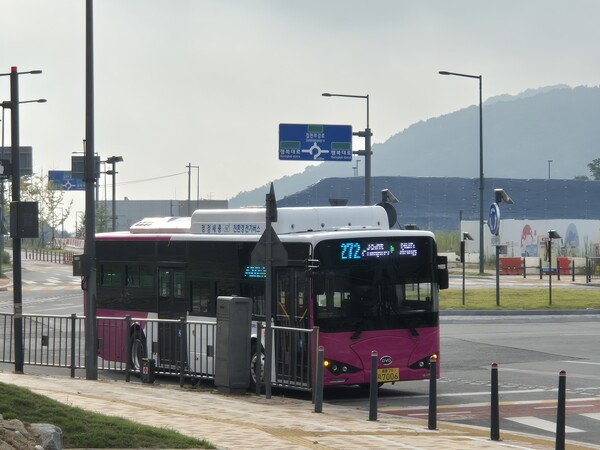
column 137, row 350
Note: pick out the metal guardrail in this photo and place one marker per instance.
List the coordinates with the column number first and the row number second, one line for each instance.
column 48, row 340
column 592, row 269
column 126, row 343
column 294, row 356
column 54, row 256
column 560, row 267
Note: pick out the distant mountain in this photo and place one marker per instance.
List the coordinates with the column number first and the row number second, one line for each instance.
column 437, row 203
column 520, row 134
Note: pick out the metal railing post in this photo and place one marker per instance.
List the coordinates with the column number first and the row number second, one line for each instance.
column 560, row 411
column 182, row 349
column 127, row 346
column 319, row 380
column 495, row 408
column 587, row 270
column 73, row 325
column 432, row 416
column 258, row 362
column 373, row 387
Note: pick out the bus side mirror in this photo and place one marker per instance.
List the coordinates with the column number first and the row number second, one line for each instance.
column 442, row 269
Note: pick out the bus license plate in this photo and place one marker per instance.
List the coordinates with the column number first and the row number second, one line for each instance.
column 390, row 374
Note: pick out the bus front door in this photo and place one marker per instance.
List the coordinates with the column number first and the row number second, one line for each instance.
column 172, row 307
column 291, row 345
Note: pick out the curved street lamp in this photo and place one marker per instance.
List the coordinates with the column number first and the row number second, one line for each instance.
column 478, row 77
column 16, row 198
column 367, row 151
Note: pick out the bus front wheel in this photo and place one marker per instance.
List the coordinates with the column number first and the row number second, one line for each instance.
column 254, row 357
column 137, row 350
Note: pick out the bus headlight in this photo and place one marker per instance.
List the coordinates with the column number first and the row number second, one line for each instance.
column 339, row 368
column 424, row 363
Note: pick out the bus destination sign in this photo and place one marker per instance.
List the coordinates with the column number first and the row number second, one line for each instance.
column 355, row 251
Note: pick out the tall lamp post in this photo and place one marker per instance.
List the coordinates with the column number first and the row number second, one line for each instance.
column 500, row 196
column 5, row 105
column 356, row 167
column 549, row 162
column 189, row 209
column 367, row 151
column 16, row 197
column 463, row 253
column 114, row 160
column 478, row 77
column 552, row 234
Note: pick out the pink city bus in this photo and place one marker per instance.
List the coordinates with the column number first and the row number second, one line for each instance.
column 364, row 285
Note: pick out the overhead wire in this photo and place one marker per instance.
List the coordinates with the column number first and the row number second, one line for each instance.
column 121, row 183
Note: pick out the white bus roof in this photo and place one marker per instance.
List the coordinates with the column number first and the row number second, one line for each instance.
column 252, row 221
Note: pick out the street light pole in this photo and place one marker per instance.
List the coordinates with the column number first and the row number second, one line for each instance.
column 91, row 326
column 463, row 256
column 356, row 167
column 481, row 178
column 114, row 160
column 549, row 162
column 367, row 151
column 5, row 105
column 189, row 202
column 16, row 197
column 552, row 234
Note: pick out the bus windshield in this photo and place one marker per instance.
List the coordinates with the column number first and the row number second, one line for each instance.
column 375, row 284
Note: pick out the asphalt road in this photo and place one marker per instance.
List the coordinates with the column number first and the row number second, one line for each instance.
column 530, row 356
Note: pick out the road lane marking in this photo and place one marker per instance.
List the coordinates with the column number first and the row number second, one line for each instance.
column 583, row 362
column 542, row 424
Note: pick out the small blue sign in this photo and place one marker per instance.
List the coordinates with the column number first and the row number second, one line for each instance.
column 62, row 180
column 494, row 219
column 315, row 142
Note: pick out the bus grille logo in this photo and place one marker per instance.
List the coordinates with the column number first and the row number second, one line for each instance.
column 386, row 360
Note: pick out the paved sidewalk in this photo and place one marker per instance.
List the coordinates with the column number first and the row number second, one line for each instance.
column 252, row 422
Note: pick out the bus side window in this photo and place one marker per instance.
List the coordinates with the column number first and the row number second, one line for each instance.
column 300, row 286
column 164, row 283
column 201, row 297
column 178, row 285
column 110, row 275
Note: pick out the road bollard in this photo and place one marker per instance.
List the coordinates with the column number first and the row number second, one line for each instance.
column 495, row 408
column 432, row 417
column 560, row 411
column 319, row 380
column 373, row 387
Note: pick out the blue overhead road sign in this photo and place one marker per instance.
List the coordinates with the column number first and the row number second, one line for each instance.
column 62, row 180
column 315, row 142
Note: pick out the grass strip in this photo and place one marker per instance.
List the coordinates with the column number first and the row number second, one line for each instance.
column 85, row 429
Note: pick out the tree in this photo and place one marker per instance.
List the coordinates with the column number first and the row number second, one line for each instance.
column 595, row 168
column 52, row 211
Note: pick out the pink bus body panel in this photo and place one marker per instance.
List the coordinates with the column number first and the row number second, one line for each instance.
column 114, row 334
column 403, row 348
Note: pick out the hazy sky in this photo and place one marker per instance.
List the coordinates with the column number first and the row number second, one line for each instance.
column 208, row 82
